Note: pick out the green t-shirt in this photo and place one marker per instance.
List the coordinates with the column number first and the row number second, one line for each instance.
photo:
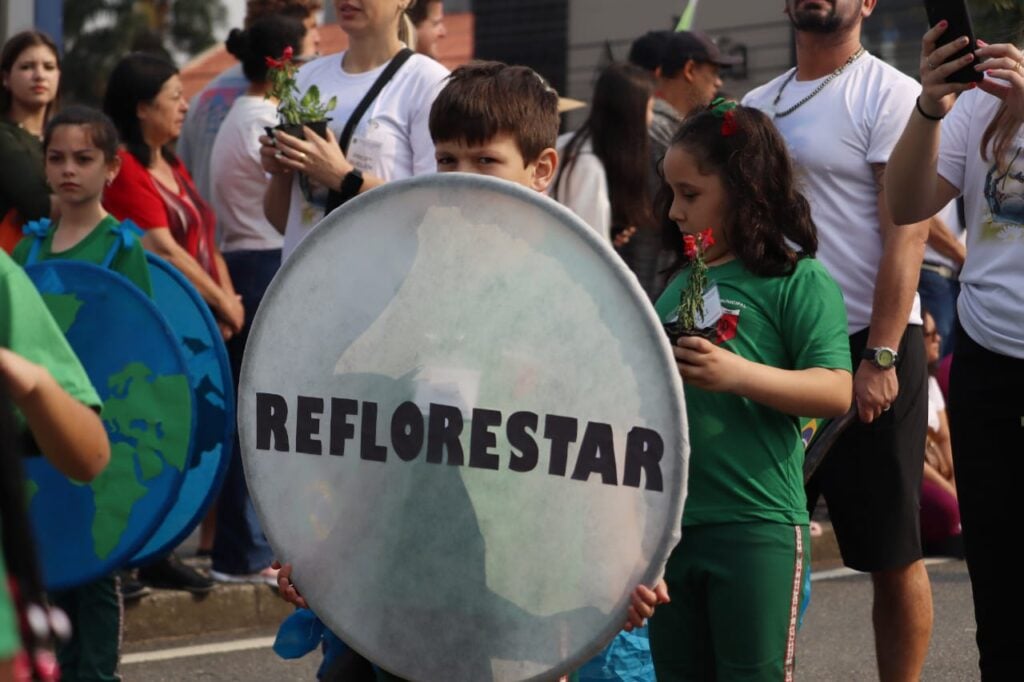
column 746, row 459
column 130, row 261
column 28, row 329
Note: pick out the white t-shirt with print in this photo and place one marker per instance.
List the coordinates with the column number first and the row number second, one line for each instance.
column 991, row 304
column 835, row 137
column 392, row 140
column 584, row 187
column 238, row 179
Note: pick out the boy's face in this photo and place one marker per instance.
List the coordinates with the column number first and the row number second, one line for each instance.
column 498, row 157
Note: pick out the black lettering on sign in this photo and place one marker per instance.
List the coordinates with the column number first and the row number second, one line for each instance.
column 560, row 431
column 520, row 424
column 341, row 429
column 445, row 427
column 368, row 448
column 307, row 425
column 271, row 422
column 644, row 450
column 482, row 439
column 597, row 454
column 407, row 431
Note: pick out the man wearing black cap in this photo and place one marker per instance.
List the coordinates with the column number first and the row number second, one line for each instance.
column 687, row 67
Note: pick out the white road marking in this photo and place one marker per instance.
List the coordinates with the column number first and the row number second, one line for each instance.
column 837, row 573
column 198, row 650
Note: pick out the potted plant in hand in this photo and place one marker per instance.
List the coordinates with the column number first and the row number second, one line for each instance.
column 294, row 110
column 689, row 317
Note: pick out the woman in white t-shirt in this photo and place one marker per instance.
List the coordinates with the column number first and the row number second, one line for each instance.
column 976, row 148
column 602, row 176
column 391, row 140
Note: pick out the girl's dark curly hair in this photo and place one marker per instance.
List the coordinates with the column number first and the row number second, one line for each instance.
column 768, row 213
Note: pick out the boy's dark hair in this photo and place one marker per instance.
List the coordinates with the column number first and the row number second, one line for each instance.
column 101, row 129
column 485, row 99
column 759, row 180
column 12, row 49
column 137, row 78
column 267, row 37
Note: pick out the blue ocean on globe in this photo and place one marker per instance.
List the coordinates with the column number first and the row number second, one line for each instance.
column 132, row 357
column 213, row 394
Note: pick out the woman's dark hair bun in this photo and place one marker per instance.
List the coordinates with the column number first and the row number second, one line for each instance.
column 238, row 43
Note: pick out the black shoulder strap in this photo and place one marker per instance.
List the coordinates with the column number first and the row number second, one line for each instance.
column 334, row 198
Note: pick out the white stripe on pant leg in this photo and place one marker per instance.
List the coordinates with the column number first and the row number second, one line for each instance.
column 794, row 606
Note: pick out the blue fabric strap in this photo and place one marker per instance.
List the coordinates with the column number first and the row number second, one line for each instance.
column 127, row 232
column 37, row 229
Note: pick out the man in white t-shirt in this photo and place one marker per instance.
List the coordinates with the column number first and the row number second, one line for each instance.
column 841, row 111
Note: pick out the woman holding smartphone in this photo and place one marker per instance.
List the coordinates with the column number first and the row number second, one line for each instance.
column 974, row 146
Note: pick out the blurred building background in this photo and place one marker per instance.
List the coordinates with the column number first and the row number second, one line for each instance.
column 567, row 41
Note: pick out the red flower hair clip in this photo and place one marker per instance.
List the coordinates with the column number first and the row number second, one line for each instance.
column 725, row 109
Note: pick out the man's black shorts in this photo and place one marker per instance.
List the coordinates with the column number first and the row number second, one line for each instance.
column 871, row 479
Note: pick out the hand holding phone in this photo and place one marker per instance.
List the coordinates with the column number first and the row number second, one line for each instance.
column 954, row 12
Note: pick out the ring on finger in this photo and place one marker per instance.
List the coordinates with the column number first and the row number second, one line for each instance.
column 278, row 154
column 302, row 156
column 928, row 63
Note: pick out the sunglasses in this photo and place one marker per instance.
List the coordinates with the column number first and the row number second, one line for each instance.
column 933, row 334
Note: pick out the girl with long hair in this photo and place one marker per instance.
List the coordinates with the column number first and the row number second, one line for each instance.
column 973, row 146
column 777, row 351
column 30, row 73
column 603, row 173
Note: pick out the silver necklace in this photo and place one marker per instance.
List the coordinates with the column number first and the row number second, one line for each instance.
column 773, row 112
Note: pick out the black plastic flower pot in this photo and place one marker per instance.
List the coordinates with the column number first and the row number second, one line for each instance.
column 295, row 129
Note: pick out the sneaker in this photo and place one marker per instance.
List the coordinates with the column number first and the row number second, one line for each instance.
column 268, row 576
column 170, row 573
column 131, row 588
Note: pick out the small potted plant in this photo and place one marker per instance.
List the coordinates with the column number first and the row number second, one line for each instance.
column 294, row 110
column 690, row 311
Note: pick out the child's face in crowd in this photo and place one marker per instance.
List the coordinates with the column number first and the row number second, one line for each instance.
column 498, row 157
column 698, row 201
column 75, row 168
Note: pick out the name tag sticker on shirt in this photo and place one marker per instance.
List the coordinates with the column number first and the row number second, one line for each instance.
column 712, row 308
column 363, row 153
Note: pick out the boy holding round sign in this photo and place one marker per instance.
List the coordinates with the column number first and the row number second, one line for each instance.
column 502, row 121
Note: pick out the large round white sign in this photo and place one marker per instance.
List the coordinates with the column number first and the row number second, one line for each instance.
column 462, row 424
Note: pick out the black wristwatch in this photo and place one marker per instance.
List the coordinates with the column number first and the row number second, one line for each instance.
column 351, row 184
column 881, row 357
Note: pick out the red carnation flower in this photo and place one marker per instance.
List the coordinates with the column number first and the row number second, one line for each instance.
column 690, row 245
column 729, row 126
column 707, row 240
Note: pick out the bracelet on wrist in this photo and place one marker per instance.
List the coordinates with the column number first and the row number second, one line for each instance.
column 925, row 114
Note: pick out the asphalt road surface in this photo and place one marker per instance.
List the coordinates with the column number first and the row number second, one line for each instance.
column 835, row 643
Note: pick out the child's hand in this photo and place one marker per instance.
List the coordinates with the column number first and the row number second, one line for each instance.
column 644, row 601
column 21, row 375
column 285, row 587
column 707, row 366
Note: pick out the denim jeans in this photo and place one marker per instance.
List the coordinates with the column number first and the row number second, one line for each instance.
column 239, row 546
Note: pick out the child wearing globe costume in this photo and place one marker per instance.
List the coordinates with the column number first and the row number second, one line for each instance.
column 80, row 152
column 762, row 342
column 57, row 407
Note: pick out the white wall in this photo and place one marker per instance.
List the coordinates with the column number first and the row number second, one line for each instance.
column 759, row 24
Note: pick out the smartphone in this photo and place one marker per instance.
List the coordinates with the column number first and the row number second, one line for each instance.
column 955, row 12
